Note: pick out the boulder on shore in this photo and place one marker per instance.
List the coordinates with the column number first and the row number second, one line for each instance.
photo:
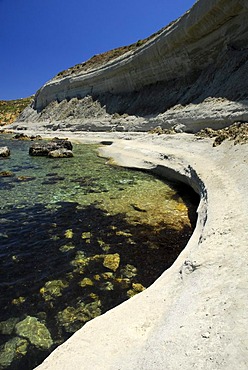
column 4, row 151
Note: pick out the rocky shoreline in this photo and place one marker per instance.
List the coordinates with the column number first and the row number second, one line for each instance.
column 194, row 315
column 186, row 86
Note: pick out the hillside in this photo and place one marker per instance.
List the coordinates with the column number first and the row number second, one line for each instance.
column 11, row 109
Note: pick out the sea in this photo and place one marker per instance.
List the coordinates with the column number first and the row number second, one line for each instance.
column 78, row 237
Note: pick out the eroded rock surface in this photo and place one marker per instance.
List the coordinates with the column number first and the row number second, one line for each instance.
column 197, row 65
column 57, row 148
column 36, row 332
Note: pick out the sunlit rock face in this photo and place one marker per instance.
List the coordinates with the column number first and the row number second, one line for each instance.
column 212, row 32
column 202, row 55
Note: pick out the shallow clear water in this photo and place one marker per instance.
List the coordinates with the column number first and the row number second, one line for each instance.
column 77, row 237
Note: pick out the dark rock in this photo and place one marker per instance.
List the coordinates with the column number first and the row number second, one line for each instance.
column 21, row 137
column 6, row 174
column 42, row 149
column 25, row 178
column 26, row 137
column 4, row 151
column 37, row 137
column 63, row 143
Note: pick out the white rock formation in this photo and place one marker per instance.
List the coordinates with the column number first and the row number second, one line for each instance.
column 200, row 56
column 195, row 315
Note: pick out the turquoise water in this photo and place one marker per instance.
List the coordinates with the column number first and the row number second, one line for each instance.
column 77, row 237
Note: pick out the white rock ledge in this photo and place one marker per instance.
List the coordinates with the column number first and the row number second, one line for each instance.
column 195, row 315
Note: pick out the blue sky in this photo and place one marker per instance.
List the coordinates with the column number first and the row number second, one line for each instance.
column 38, row 38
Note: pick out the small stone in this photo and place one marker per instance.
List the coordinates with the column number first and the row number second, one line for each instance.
column 206, row 335
column 86, row 235
column 129, row 271
column 86, row 282
column 105, row 247
column 123, row 282
column 137, row 288
column 6, row 174
column 66, row 248
column 53, row 289
column 112, row 261
column 107, row 275
column 97, row 277
column 107, row 286
column 69, row 234
column 18, row 301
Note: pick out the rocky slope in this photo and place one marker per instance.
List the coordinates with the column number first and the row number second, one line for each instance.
column 10, row 109
column 190, row 75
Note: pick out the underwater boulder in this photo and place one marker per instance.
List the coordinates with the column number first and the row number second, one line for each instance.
column 36, row 332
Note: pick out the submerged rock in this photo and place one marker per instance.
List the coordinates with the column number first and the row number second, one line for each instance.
column 53, row 289
column 136, row 288
column 112, row 261
column 73, row 318
column 129, row 271
column 8, row 326
column 86, row 282
column 4, row 151
column 66, row 248
column 36, row 332
column 11, row 350
column 6, row 174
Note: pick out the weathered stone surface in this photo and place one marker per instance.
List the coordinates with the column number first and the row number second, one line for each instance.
column 73, row 318
column 11, row 350
column 36, row 332
column 60, row 153
column 53, row 289
column 202, row 55
column 43, row 149
column 7, row 327
column 4, row 151
column 23, row 136
column 112, row 261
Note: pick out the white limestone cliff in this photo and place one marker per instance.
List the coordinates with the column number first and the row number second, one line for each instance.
column 203, row 55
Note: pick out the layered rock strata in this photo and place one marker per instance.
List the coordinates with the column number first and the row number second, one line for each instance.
column 190, row 74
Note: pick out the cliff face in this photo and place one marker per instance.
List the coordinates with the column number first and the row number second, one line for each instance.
column 203, row 55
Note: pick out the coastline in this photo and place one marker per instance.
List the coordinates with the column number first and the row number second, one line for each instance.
column 195, row 314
